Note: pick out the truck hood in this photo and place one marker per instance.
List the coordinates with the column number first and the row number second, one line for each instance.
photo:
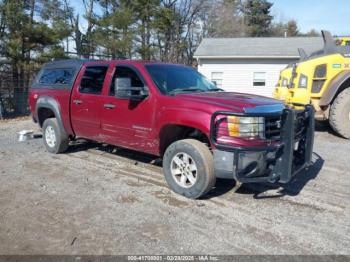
column 235, row 101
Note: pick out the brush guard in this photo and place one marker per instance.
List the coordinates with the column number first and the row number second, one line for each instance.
column 278, row 161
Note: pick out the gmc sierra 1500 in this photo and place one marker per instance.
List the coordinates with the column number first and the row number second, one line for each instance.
column 174, row 112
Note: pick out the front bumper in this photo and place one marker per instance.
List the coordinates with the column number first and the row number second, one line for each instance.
column 274, row 162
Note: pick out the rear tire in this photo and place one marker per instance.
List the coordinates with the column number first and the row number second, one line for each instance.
column 188, row 168
column 339, row 117
column 54, row 140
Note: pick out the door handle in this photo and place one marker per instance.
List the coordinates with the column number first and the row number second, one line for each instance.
column 109, row 106
column 77, row 102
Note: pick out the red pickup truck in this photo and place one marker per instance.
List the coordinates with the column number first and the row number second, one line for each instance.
column 174, row 112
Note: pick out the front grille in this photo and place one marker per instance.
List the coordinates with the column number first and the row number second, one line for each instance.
column 273, row 127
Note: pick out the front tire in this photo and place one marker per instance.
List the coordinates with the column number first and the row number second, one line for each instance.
column 54, row 140
column 339, row 117
column 188, row 168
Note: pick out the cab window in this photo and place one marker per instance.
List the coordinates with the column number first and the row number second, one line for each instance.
column 92, row 80
column 125, row 72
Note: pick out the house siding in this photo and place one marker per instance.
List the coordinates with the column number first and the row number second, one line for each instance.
column 238, row 74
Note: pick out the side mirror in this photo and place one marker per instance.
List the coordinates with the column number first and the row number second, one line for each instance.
column 214, row 82
column 124, row 90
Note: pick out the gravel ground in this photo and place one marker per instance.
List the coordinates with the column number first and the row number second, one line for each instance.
column 96, row 199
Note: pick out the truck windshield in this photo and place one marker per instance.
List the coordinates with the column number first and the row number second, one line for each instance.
column 174, row 79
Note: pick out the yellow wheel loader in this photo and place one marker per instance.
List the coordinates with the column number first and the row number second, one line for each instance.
column 323, row 80
column 343, row 41
column 281, row 90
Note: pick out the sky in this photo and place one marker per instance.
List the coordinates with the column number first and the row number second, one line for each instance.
column 331, row 15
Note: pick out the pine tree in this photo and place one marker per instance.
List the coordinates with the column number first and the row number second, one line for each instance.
column 29, row 37
column 114, row 31
column 257, row 17
column 144, row 11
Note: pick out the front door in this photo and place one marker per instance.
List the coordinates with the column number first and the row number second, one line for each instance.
column 86, row 102
column 125, row 122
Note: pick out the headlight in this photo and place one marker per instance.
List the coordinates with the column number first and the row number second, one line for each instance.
column 246, row 126
column 303, row 81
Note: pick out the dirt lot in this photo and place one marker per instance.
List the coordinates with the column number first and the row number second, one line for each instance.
column 99, row 200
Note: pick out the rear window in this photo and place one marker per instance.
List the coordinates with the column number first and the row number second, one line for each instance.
column 56, row 76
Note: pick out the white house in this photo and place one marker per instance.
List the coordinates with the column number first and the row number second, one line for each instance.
column 250, row 65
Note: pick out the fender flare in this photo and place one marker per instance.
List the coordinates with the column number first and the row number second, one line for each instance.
column 169, row 117
column 172, row 119
column 333, row 88
column 52, row 104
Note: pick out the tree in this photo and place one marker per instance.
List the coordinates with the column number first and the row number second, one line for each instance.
column 225, row 20
column 165, row 26
column 193, row 34
column 28, row 37
column 2, row 21
column 114, row 30
column 55, row 13
column 84, row 44
column 313, row 33
column 144, row 10
column 278, row 29
column 257, row 17
column 177, row 30
column 288, row 29
column 292, row 28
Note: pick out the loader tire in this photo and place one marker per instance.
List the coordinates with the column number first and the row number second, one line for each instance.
column 339, row 117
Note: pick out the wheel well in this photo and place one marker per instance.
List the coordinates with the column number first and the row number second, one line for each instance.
column 171, row 133
column 342, row 87
column 43, row 114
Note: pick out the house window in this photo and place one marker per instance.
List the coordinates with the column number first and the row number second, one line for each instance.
column 259, row 79
column 217, row 78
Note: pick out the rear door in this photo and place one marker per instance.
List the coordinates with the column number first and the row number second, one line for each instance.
column 125, row 122
column 86, row 102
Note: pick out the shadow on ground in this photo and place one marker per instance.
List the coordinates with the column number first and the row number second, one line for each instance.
column 83, row 145
column 292, row 188
column 222, row 186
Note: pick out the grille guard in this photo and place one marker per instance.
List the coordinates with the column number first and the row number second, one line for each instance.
column 288, row 161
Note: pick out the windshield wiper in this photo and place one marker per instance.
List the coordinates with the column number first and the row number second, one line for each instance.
column 180, row 90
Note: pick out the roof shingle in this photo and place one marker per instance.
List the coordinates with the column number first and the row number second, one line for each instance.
column 278, row 47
